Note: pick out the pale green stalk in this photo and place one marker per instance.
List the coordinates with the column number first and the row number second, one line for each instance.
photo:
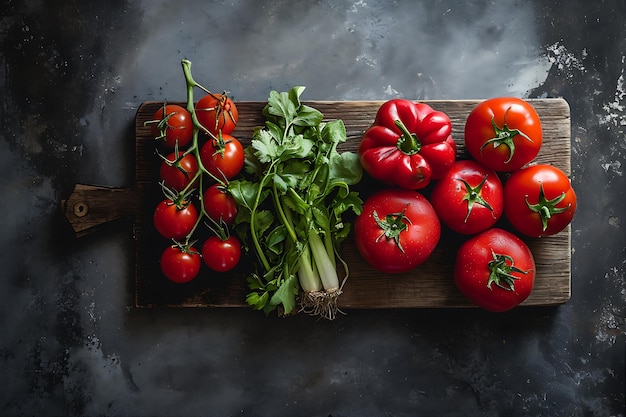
column 326, row 267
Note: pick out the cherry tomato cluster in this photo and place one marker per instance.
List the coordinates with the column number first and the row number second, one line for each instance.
column 399, row 227
column 200, row 157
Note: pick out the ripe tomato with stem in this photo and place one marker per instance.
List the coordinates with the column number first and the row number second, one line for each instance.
column 223, row 157
column 172, row 124
column 177, row 171
column 217, row 113
column 180, row 263
column 503, row 133
column 221, row 254
column 175, row 219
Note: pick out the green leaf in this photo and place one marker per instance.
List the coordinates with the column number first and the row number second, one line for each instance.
column 295, row 93
column 334, row 132
column 295, row 202
column 345, row 167
column 281, row 184
column 252, row 165
column 275, row 239
column 295, row 168
column 244, row 192
column 258, row 300
column 275, row 130
column 286, row 294
column 296, row 146
column 342, row 233
column 321, row 216
column 280, row 105
column 308, row 116
column 264, row 218
column 266, row 146
column 341, row 204
column 255, row 282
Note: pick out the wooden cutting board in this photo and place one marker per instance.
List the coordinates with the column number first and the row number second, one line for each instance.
column 430, row 285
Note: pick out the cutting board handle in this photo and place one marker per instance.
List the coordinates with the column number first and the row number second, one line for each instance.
column 90, row 206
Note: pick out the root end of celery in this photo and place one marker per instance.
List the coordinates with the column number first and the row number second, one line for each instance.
column 321, row 303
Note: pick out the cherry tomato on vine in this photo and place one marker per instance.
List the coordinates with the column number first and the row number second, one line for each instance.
column 175, row 220
column 397, row 230
column 180, row 264
column 503, row 133
column 469, row 198
column 219, row 204
column 221, row 255
column 172, row 123
column 495, row 270
column 539, row 200
column 217, row 112
column 225, row 160
column 177, row 173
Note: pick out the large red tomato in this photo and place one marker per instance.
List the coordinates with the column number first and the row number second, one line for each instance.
column 539, row 200
column 468, row 199
column 503, row 133
column 397, row 230
column 495, row 270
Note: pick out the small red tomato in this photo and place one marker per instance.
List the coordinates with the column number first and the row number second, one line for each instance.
column 503, row 133
column 217, row 112
column 171, row 124
column 180, row 264
column 539, row 200
column 221, row 255
column 178, row 172
column 397, row 230
column 219, row 204
column 175, row 221
column 469, row 198
column 495, row 270
column 225, row 160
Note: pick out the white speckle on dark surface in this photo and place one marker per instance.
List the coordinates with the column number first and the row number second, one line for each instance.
column 565, row 60
column 616, row 110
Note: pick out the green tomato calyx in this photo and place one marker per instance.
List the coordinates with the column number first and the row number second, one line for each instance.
column 392, row 226
column 546, row 208
column 504, row 136
column 473, row 195
column 501, row 270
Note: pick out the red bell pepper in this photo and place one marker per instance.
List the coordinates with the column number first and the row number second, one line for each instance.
column 408, row 145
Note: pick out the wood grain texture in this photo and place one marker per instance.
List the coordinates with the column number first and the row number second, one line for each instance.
column 430, row 285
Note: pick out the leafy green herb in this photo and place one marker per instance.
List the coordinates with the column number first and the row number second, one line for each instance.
column 292, row 205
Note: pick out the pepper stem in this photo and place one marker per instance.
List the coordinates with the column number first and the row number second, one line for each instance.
column 408, row 142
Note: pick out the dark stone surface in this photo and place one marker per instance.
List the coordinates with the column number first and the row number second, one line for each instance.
column 72, row 76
